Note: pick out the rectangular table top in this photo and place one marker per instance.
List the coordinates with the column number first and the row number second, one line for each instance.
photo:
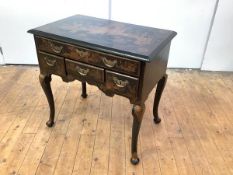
column 134, row 41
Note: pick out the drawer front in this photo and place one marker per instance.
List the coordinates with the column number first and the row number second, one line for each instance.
column 108, row 61
column 124, row 65
column 50, row 46
column 122, row 84
column 50, row 64
column 84, row 72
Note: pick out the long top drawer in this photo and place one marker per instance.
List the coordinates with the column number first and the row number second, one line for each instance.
column 115, row 63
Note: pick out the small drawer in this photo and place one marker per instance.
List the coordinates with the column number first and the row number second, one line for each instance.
column 51, row 64
column 84, row 72
column 122, row 84
column 120, row 64
column 50, row 46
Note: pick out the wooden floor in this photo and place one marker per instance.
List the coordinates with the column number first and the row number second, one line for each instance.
column 93, row 136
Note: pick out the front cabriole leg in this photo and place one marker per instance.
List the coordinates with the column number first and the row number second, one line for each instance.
column 159, row 90
column 137, row 112
column 45, row 83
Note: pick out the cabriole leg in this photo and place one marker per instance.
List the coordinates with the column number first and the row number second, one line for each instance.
column 84, row 90
column 137, row 112
column 45, row 83
column 159, row 90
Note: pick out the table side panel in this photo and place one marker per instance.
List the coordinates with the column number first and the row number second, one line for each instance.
column 153, row 72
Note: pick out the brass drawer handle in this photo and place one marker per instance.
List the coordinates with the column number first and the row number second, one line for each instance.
column 120, row 83
column 50, row 62
column 109, row 63
column 82, row 71
column 56, row 49
column 82, row 53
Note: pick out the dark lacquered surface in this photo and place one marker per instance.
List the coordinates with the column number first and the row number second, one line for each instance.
column 134, row 41
column 101, row 52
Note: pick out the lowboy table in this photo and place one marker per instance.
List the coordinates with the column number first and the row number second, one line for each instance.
column 119, row 58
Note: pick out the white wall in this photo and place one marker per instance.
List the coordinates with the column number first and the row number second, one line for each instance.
column 190, row 18
column 1, row 59
column 219, row 53
column 16, row 17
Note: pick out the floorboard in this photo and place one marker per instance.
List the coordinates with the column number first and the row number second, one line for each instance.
column 92, row 136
